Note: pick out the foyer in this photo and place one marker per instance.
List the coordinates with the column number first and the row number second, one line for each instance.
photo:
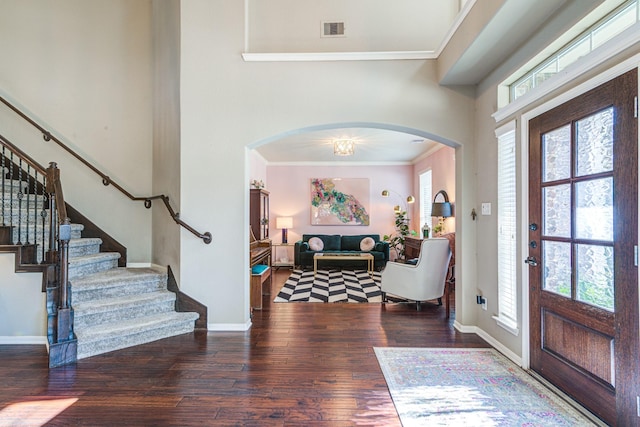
column 299, row 364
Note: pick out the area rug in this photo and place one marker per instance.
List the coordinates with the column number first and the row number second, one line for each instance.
column 469, row 387
column 331, row 286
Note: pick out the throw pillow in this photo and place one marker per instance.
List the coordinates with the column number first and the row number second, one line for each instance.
column 316, row 244
column 367, row 244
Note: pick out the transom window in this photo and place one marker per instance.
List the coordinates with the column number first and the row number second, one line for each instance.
column 604, row 30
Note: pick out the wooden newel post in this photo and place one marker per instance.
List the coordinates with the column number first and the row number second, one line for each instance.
column 65, row 313
column 53, row 176
column 63, row 345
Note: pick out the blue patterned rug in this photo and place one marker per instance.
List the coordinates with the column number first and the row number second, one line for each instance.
column 469, row 387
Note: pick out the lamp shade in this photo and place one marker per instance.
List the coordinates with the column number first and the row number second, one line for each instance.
column 442, row 209
column 284, row 222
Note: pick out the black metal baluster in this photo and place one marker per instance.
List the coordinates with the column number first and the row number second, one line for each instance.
column 43, row 214
column 20, row 195
column 28, row 191
column 2, row 172
column 11, row 197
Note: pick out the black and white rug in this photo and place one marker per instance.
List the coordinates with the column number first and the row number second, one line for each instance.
column 331, row 286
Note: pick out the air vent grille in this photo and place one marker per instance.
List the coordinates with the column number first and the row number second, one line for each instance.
column 333, row 29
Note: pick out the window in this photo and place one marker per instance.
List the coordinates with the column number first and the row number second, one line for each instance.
column 610, row 26
column 507, row 263
column 425, row 198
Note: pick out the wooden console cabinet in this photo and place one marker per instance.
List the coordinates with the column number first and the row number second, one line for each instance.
column 412, row 247
column 259, row 213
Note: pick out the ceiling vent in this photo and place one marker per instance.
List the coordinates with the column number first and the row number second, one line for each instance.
column 333, row 29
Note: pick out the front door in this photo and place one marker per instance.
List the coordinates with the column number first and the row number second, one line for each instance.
column 583, row 232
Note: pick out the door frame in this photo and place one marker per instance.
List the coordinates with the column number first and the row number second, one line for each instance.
column 523, row 146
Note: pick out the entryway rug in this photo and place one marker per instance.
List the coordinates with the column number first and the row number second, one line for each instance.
column 469, row 387
column 331, row 286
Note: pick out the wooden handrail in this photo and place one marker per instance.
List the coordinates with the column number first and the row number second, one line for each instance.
column 25, row 156
column 106, row 180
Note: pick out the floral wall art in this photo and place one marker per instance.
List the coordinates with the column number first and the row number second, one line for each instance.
column 340, row 201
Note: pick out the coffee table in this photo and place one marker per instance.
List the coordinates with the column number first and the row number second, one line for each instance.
column 328, row 256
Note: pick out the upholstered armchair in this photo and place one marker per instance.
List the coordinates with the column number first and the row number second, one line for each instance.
column 423, row 281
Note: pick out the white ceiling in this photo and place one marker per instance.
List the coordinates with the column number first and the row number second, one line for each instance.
column 516, row 31
column 373, row 146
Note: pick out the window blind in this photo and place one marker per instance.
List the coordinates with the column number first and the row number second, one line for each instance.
column 507, row 263
column 425, row 198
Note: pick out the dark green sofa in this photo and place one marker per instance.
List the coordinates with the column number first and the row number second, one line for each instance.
column 335, row 243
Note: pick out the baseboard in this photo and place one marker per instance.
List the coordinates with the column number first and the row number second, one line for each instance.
column 229, row 327
column 145, row 265
column 23, row 340
column 491, row 340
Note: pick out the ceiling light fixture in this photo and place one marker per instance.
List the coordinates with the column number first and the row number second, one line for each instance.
column 343, row 147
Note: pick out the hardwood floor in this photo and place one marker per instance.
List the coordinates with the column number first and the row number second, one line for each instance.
column 300, row 364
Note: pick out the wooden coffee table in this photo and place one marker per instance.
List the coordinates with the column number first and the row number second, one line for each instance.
column 337, row 256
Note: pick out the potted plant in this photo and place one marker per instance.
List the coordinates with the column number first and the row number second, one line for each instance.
column 397, row 239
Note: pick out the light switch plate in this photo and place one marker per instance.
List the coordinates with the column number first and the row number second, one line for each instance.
column 486, row 209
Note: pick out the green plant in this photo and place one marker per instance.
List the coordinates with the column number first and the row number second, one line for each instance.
column 437, row 230
column 397, row 239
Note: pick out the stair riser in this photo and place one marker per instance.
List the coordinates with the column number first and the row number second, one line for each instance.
column 82, row 320
column 116, row 291
column 77, row 251
column 88, row 348
column 96, row 267
column 38, row 229
column 12, row 186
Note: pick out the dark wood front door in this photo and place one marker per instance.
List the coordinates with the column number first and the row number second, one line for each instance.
column 583, row 232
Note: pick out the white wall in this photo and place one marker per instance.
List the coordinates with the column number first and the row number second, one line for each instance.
column 83, row 69
column 370, row 26
column 166, row 131
column 227, row 104
column 23, row 314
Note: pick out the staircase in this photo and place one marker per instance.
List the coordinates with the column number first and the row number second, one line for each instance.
column 117, row 307
column 114, row 307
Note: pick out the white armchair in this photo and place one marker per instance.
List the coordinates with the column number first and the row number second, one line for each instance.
column 423, row 281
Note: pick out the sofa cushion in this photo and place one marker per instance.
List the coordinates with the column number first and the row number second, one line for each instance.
column 316, row 244
column 331, row 241
column 352, row 243
column 367, row 244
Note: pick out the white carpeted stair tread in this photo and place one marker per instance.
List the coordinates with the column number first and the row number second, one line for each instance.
column 131, row 326
column 125, row 302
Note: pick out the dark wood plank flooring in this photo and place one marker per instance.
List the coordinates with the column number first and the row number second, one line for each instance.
column 300, row 364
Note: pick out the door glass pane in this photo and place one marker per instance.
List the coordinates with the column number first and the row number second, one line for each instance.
column 556, row 154
column 594, row 209
column 557, row 211
column 556, row 263
column 595, row 276
column 595, row 143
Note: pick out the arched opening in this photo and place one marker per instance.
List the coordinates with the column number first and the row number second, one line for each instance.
column 288, row 180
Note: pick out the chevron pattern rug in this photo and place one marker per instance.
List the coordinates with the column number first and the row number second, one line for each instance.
column 331, row 286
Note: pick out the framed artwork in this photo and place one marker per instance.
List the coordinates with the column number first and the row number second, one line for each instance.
column 340, row 201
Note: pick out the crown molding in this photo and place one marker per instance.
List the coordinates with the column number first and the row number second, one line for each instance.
column 339, row 56
column 339, row 163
